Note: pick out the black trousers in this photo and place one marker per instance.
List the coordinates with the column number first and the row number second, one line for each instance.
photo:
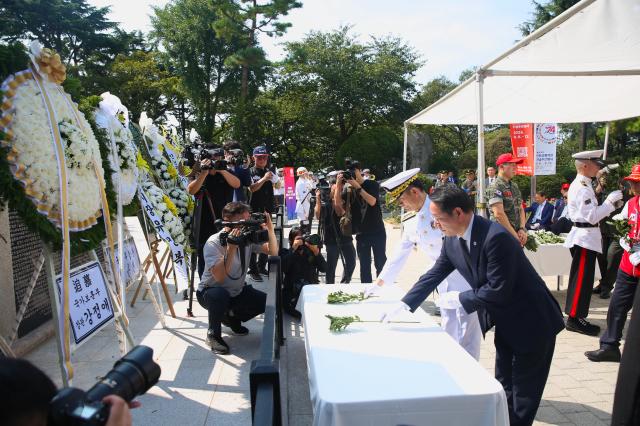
column 200, row 260
column 626, row 403
column 220, row 305
column 583, row 266
column 349, row 253
column 258, row 262
column 612, row 253
column 367, row 243
column 619, row 306
column 523, row 377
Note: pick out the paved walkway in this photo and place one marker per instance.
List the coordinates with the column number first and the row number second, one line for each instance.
column 199, row 388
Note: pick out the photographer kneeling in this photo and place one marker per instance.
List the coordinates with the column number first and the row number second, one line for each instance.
column 223, row 291
column 300, row 266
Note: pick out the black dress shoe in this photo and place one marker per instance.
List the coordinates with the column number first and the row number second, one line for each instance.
column 605, row 293
column 264, row 271
column 581, row 325
column 255, row 276
column 597, row 289
column 604, row 354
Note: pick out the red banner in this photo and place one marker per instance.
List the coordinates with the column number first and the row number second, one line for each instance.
column 522, row 146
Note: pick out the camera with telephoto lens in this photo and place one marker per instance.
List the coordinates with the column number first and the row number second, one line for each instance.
column 251, row 231
column 132, row 375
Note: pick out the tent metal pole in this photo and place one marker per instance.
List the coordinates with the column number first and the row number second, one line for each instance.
column 480, row 204
column 606, row 141
column 404, row 152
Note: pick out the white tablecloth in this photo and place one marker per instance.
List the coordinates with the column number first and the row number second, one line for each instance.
column 392, row 374
column 552, row 259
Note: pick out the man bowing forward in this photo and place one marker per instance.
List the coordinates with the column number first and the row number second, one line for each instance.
column 506, row 291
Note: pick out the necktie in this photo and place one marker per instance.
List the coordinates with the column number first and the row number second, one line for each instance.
column 465, row 251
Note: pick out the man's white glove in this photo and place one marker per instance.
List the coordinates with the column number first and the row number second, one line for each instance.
column 635, row 258
column 449, row 300
column 372, row 290
column 535, row 226
column 392, row 313
column 614, row 197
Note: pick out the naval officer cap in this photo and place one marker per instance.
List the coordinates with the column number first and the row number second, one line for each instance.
column 595, row 156
column 397, row 184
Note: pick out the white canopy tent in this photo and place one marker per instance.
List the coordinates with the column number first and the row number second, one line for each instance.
column 582, row 66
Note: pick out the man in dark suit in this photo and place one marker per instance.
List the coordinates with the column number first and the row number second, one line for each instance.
column 558, row 208
column 541, row 212
column 506, row 291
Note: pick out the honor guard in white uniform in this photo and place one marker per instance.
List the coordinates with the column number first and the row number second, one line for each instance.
column 419, row 232
column 304, row 186
column 584, row 239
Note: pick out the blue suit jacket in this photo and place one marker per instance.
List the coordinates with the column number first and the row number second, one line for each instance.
column 506, row 291
column 557, row 209
column 547, row 214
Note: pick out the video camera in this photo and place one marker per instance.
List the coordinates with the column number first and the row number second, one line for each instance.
column 132, row 375
column 351, row 166
column 252, row 231
column 211, row 154
column 237, row 157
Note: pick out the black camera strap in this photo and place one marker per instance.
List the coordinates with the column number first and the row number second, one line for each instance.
column 243, row 262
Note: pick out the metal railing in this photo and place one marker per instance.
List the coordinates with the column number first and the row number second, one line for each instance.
column 264, row 378
column 279, row 225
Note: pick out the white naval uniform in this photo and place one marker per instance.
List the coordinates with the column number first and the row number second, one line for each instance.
column 303, row 198
column 463, row 327
column 583, row 208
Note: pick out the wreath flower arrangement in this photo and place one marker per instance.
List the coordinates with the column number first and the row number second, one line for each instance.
column 35, row 109
column 167, row 211
column 112, row 116
column 160, row 165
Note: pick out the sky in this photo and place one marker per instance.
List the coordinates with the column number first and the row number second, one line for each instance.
column 449, row 35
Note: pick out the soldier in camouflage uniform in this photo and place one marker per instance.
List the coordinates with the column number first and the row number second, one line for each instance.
column 505, row 200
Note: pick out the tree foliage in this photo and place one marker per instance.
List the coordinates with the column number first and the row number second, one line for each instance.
column 377, row 148
column 193, row 51
column 352, row 85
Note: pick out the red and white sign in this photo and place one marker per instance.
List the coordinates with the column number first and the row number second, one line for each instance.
column 536, row 144
column 522, row 146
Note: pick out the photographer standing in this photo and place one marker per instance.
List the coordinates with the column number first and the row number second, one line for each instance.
column 366, row 217
column 300, row 266
column 235, row 157
column 223, row 291
column 261, row 201
column 212, row 184
column 335, row 241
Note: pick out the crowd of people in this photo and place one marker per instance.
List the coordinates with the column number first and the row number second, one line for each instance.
column 483, row 277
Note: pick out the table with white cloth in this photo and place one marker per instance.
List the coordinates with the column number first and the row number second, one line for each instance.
column 552, row 260
column 391, row 374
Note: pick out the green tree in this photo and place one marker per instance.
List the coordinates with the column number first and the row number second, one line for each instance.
column 543, row 13
column 185, row 30
column 244, row 20
column 454, row 146
column 351, row 85
column 378, row 149
column 143, row 83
